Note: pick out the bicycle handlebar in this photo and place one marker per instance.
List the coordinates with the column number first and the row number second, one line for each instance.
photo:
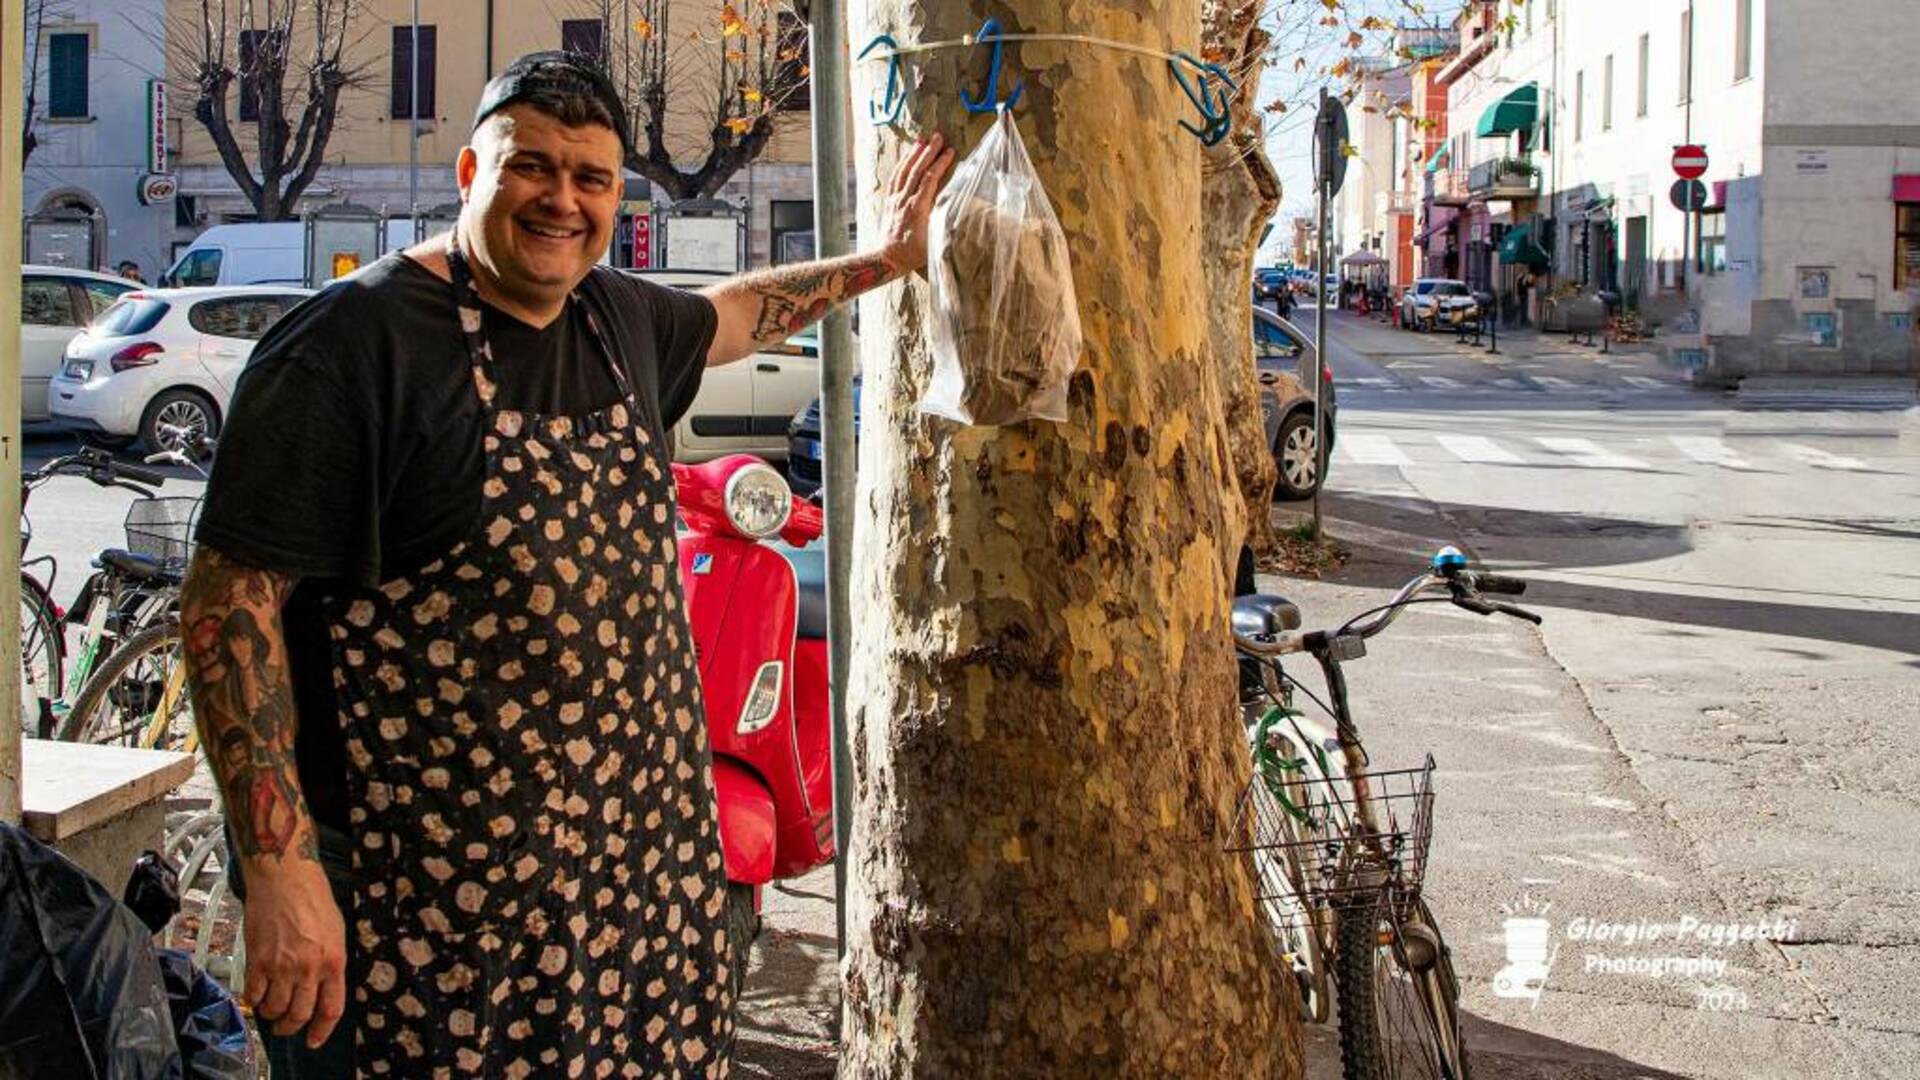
column 1463, row 586
column 97, row 466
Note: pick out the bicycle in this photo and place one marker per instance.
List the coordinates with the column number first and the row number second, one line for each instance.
column 128, row 589
column 1339, row 847
column 138, row 695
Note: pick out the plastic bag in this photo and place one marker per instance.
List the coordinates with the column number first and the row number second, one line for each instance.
column 1005, row 324
column 153, row 891
column 207, row 1024
column 81, row 997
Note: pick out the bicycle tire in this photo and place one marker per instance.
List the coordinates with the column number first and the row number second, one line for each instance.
column 86, row 721
column 1399, row 1014
column 41, row 632
column 1292, row 917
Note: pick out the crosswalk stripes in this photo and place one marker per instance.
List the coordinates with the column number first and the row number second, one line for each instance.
column 1478, row 449
column 1709, row 450
column 1370, row 449
column 1510, row 384
column 1822, row 459
column 1552, row 382
column 1440, row 382
column 1643, row 382
column 1589, row 453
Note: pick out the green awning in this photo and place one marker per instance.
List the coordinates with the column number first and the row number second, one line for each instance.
column 1515, row 112
column 1438, row 159
column 1519, row 247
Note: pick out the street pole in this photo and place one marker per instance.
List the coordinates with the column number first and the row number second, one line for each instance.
column 827, row 43
column 12, row 103
column 1321, row 180
column 413, row 126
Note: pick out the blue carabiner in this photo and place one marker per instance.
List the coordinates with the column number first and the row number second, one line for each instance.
column 1215, row 105
column 990, row 100
column 887, row 110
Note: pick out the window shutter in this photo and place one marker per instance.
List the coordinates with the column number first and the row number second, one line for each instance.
column 67, row 76
column 400, row 78
column 428, row 50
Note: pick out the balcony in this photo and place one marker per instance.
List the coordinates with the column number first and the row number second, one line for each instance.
column 1450, row 187
column 1508, row 178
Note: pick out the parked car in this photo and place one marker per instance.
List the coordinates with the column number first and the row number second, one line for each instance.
column 56, row 304
column 744, row 408
column 1433, row 301
column 1283, row 356
column 163, row 357
column 1268, row 283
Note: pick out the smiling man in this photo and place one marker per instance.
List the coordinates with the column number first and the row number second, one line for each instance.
column 436, row 630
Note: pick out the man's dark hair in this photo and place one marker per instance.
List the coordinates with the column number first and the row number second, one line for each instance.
column 565, row 86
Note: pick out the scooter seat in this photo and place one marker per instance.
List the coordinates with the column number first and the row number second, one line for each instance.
column 810, row 574
column 1264, row 613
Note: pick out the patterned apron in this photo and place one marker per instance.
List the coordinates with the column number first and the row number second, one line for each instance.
column 539, row 889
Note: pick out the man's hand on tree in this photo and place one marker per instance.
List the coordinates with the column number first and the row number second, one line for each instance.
column 907, row 203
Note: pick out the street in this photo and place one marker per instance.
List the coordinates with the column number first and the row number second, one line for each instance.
column 1710, row 730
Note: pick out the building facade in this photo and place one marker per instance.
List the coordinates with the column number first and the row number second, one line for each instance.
column 93, row 193
column 463, row 43
column 1565, row 115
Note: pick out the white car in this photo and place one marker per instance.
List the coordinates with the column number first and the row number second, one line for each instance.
column 1433, row 301
column 56, row 303
column 163, row 357
column 744, row 408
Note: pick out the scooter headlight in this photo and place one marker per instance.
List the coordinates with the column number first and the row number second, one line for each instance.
column 758, row 501
column 763, row 700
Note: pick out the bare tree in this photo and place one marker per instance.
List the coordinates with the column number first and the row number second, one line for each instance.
column 35, row 17
column 289, row 61
column 705, row 90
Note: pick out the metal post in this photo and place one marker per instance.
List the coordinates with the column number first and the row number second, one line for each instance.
column 827, row 43
column 12, row 95
column 1321, row 182
column 413, row 128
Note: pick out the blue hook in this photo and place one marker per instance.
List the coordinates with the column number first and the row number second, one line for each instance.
column 986, row 103
column 1215, row 105
column 887, row 110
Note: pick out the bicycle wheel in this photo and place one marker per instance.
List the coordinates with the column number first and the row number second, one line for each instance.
column 137, row 696
column 1399, row 1000
column 42, row 655
column 1297, row 922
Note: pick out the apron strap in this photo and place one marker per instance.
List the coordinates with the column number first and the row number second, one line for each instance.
column 469, row 308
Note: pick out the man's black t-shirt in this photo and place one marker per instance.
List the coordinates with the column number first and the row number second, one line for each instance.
column 352, row 453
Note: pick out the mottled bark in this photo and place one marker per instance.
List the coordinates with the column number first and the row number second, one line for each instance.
column 1239, row 193
column 1046, row 751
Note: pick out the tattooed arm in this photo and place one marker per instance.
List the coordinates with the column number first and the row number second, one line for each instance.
column 771, row 305
column 237, row 667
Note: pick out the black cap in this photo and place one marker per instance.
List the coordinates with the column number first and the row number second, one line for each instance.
column 554, row 72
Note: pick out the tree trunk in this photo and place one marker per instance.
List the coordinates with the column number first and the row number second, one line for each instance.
column 1239, row 193
column 1046, row 748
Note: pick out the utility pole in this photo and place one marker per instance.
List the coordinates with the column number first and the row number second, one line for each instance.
column 12, row 56
column 413, row 127
column 1327, row 149
column 826, row 42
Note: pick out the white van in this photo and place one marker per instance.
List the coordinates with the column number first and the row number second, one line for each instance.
column 257, row 253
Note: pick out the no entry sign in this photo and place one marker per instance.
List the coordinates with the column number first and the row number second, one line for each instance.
column 1689, row 162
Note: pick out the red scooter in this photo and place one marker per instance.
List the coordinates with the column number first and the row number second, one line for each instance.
column 759, row 616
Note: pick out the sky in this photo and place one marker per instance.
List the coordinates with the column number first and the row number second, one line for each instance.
column 1298, row 34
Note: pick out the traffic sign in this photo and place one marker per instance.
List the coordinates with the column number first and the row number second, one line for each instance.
column 1690, row 161
column 1330, row 136
column 1688, row 195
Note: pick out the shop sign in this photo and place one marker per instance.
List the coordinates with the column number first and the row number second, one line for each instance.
column 157, row 188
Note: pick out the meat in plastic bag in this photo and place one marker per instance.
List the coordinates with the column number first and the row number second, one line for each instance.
column 1005, row 328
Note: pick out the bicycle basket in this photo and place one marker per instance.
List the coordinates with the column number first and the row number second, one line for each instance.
column 162, row 528
column 1306, row 835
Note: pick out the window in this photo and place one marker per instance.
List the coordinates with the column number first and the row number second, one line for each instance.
column 101, row 295
column 200, row 267
column 1742, row 39
column 1686, row 57
column 1713, row 242
column 46, row 301
column 243, row 317
column 1579, row 105
column 584, row 37
column 1270, row 342
column 1640, row 90
column 1606, row 95
column 794, row 80
column 1906, row 246
column 67, row 76
column 129, row 317
column 401, row 78
column 256, row 52
column 792, row 229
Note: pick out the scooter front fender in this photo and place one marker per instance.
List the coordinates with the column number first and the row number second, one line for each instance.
column 749, row 829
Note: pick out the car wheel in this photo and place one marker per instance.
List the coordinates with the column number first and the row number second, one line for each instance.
column 187, row 410
column 98, row 441
column 1296, row 454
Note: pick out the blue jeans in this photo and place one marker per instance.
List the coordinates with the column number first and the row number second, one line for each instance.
column 289, row 1057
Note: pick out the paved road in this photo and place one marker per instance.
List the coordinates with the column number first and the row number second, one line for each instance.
column 1715, row 723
